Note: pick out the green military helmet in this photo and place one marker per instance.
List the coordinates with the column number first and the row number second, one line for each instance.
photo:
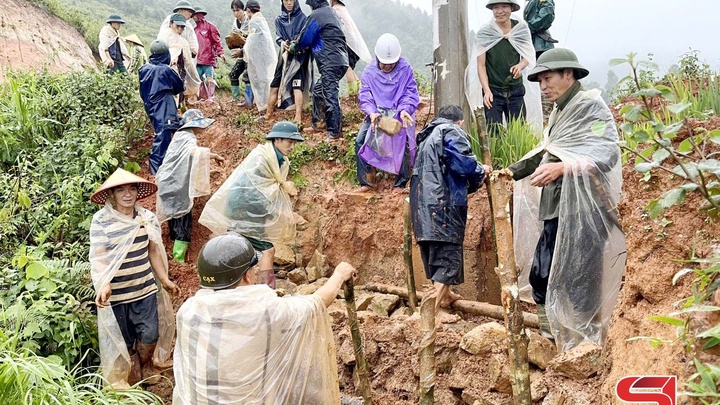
column 115, row 18
column 224, row 260
column 200, row 10
column 557, row 59
column 183, row 5
column 159, row 47
column 286, row 130
column 514, row 3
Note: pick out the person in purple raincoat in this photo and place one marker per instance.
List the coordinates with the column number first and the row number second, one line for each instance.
column 388, row 89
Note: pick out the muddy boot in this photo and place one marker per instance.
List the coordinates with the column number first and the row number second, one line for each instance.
column 150, row 373
column 179, row 250
column 204, row 90
column 266, row 277
column 135, row 369
column 235, row 90
column 544, row 323
column 211, row 91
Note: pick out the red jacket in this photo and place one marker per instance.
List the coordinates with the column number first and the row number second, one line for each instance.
column 208, row 42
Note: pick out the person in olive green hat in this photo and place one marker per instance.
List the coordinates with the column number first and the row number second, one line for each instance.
column 255, row 200
column 576, row 266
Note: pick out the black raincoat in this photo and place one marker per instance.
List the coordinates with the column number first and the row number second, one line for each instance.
column 324, row 35
column 445, row 172
column 158, row 84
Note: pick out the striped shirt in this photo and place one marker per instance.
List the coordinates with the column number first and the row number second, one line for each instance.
column 134, row 279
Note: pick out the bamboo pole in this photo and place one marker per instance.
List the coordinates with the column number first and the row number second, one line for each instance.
column 407, row 253
column 427, row 352
column 361, row 365
column 507, row 272
column 466, row 306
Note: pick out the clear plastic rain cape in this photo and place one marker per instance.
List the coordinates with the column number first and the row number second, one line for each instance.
column 519, row 36
column 253, row 201
column 249, row 346
column 589, row 257
column 261, row 59
column 181, row 60
column 184, row 175
column 189, row 33
column 353, row 37
column 108, row 35
column 106, row 256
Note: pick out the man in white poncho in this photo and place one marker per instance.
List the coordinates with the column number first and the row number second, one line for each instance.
column 184, row 8
column 181, row 59
column 356, row 46
column 130, row 274
column 568, row 240
column 239, row 343
column 184, row 175
column 494, row 78
column 111, row 47
column 255, row 200
column 260, row 55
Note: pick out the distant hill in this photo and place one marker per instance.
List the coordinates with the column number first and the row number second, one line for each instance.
column 373, row 17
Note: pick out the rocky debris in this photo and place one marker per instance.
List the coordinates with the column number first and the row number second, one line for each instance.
column 389, row 333
column 482, row 339
column 578, row 363
column 318, row 267
column 401, row 313
column 540, row 350
column 298, row 276
column 346, row 353
column 470, row 398
column 346, row 400
column 307, row 289
column 288, row 286
column 281, row 274
column 555, row 398
column 363, row 300
column 384, row 304
column 284, row 256
column 500, row 373
column 445, row 358
column 337, row 313
column 538, row 390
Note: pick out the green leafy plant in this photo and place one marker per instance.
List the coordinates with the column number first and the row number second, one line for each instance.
column 510, row 145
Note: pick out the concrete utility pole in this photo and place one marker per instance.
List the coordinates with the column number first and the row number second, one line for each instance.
column 450, row 56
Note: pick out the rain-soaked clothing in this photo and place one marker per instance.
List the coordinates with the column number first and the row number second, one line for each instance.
column 292, row 70
column 539, row 15
column 389, row 94
column 261, row 59
column 248, row 346
column 158, row 85
column 585, row 254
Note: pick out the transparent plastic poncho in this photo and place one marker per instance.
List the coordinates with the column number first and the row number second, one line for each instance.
column 589, row 256
column 183, row 175
column 249, row 346
column 254, row 200
column 181, row 60
column 520, row 38
column 261, row 59
column 105, row 260
column 353, row 37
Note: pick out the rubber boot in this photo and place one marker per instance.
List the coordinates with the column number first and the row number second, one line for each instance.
column 179, row 250
column 150, row 373
column 204, row 90
column 211, row 90
column 266, row 277
column 135, row 369
column 235, row 92
column 249, row 99
column 544, row 323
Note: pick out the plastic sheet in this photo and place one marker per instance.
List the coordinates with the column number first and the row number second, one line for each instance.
column 589, row 257
column 254, row 201
column 261, row 58
column 105, row 260
column 249, row 346
column 353, row 37
column 519, row 36
column 108, row 35
column 181, row 60
column 184, row 175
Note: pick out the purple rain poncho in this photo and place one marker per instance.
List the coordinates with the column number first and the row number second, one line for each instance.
column 395, row 91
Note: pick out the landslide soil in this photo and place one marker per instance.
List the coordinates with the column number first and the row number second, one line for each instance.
column 367, row 231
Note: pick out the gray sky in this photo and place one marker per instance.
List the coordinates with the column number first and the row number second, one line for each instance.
column 598, row 31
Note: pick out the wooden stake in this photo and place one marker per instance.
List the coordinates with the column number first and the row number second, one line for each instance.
column 361, row 365
column 407, row 253
column 427, row 352
column 510, row 295
column 466, row 306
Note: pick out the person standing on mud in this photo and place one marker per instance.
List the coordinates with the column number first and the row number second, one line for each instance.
column 292, row 76
column 255, row 200
column 260, row 56
column 445, row 172
column 240, row 28
column 389, row 93
column 129, row 271
column 356, row 47
column 323, row 35
column 209, row 49
column 111, row 46
column 159, row 84
column 184, row 8
column 257, row 348
column 568, row 238
column 184, row 175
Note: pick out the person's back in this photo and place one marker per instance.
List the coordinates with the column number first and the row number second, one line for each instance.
column 331, row 48
column 158, row 85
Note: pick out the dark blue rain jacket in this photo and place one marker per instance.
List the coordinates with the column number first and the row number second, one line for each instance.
column 158, row 84
column 324, row 35
column 289, row 25
column 445, row 172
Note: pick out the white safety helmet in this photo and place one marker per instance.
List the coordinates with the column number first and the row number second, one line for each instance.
column 387, row 49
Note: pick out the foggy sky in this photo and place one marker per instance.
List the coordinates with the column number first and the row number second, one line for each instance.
column 598, row 31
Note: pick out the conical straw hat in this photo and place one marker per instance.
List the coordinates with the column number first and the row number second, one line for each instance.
column 121, row 177
column 134, row 39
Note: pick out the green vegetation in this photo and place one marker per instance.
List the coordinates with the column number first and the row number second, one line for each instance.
column 60, row 137
column 514, row 142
